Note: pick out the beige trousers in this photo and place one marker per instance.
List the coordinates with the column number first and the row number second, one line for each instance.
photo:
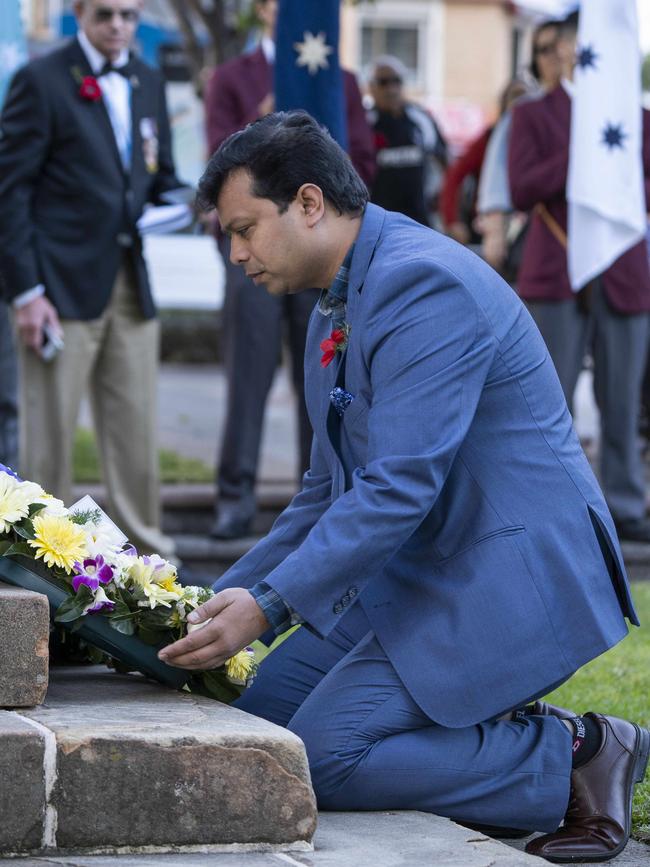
column 115, row 358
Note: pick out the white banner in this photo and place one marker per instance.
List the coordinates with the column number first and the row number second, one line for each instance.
column 605, row 190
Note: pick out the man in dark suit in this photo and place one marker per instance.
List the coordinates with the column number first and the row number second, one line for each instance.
column 85, row 145
column 609, row 316
column 437, row 590
column 8, row 392
column 240, row 91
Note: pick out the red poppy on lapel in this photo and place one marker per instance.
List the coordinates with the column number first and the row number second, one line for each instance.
column 89, row 89
column 336, row 342
column 381, row 141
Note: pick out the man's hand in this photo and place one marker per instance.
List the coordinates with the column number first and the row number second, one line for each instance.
column 267, row 105
column 236, row 620
column 459, row 232
column 30, row 319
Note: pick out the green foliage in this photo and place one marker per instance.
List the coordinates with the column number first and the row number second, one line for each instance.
column 72, row 608
column 213, row 684
column 90, row 516
column 618, row 683
column 18, row 549
column 174, row 468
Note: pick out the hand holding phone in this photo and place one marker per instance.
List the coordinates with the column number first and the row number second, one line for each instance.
column 52, row 343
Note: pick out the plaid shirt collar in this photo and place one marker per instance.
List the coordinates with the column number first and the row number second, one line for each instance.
column 332, row 301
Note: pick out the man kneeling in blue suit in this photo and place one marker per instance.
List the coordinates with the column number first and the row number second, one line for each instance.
column 450, row 555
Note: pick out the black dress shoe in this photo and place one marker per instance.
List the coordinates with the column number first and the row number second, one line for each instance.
column 633, row 530
column 233, row 521
column 542, row 708
column 597, row 823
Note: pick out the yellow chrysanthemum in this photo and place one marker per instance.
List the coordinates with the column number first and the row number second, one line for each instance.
column 15, row 499
column 145, row 574
column 157, row 595
column 239, row 666
column 58, row 541
column 171, row 585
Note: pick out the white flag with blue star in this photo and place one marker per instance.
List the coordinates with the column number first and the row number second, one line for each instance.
column 13, row 52
column 605, row 190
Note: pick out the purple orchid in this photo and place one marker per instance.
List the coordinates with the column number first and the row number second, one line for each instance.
column 9, row 472
column 92, row 573
column 100, row 602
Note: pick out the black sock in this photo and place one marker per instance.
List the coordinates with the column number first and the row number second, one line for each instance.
column 586, row 740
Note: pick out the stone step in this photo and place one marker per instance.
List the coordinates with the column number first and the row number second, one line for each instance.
column 116, row 762
column 24, row 654
column 271, row 495
column 637, row 560
column 204, row 559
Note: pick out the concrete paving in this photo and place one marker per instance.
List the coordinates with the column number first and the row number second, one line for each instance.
column 395, row 839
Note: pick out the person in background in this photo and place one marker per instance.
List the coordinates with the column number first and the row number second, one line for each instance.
column 411, row 149
column 502, row 229
column 608, row 317
column 8, row 392
column 457, row 203
column 240, row 91
column 85, row 143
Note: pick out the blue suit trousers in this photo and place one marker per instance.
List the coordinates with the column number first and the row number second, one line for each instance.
column 370, row 746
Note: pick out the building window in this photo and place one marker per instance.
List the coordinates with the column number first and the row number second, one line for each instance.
column 400, row 41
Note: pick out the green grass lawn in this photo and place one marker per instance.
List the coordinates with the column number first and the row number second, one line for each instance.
column 174, row 468
column 618, row 683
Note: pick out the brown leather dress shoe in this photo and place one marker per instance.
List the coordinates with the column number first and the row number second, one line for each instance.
column 597, row 823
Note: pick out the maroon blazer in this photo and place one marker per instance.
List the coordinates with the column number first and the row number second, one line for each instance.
column 538, row 166
column 238, row 86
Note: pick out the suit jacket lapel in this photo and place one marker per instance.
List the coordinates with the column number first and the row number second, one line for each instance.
column 320, row 381
column 96, row 110
column 137, row 111
column 364, row 249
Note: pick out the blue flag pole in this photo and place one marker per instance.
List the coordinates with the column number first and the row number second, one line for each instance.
column 13, row 49
column 307, row 70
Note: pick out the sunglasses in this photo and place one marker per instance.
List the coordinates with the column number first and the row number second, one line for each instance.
column 386, row 81
column 543, row 50
column 128, row 16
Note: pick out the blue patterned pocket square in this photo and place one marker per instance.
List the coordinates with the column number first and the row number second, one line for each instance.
column 340, row 399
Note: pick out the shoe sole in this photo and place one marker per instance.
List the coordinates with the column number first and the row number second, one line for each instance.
column 642, row 753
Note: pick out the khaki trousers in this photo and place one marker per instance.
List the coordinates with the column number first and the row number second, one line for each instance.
column 115, row 357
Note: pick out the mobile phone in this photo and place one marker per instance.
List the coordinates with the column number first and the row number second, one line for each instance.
column 52, row 343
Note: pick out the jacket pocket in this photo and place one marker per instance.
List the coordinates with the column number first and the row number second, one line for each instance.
column 513, row 530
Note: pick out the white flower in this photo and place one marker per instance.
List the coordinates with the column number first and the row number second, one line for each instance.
column 192, row 627
column 15, row 499
column 105, row 539
column 53, row 507
column 191, row 596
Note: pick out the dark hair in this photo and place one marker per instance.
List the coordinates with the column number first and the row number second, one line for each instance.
column 283, row 151
column 545, row 25
column 569, row 27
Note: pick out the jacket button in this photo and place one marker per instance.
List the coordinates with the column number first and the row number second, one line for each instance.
column 345, row 600
column 338, row 608
column 352, row 592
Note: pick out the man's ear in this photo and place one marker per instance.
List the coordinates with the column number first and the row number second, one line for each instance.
column 311, row 202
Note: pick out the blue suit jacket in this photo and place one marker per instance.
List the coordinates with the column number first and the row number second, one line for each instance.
column 452, row 500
